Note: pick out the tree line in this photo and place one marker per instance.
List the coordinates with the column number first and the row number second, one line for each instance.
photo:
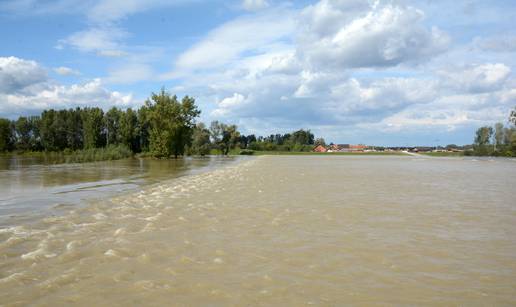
column 499, row 140
column 164, row 126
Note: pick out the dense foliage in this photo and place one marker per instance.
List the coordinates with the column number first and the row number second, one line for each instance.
column 301, row 140
column 496, row 141
column 163, row 127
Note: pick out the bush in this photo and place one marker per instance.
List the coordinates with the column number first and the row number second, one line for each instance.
column 112, row 152
column 247, row 152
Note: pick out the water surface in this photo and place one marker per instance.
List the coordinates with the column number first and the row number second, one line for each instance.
column 30, row 186
column 285, row 231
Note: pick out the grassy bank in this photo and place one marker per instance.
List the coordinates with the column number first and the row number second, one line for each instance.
column 79, row 156
column 443, row 154
column 298, row 153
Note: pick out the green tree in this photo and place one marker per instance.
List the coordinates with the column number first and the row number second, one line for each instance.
column 482, row 140
column 23, row 134
column 483, row 136
column 143, row 128
column 171, row 123
column 224, row 137
column 512, row 117
column 35, row 136
column 74, row 129
column 5, row 135
column 498, row 135
column 129, row 130
column 112, row 122
column 319, row 141
column 93, row 125
column 200, row 140
column 47, row 130
column 302, row 137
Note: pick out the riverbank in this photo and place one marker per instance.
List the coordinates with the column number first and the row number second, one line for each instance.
column 310, row 153
column 443, row 154
column 108, row 153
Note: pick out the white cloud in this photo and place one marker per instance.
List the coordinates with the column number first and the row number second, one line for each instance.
column 352, row 65
column 66, row 71
column 91, row 93
column 476, row 78
column 18, row 74
column 348, row 34
column 253, row 34
column 229, row 103
column 254, row 5
column 25, row 88
column 105, row 41
column 450, row 111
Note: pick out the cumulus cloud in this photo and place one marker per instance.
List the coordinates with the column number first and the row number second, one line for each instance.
column 91, row 93
column 17, row 75
column 229, row 103
column 372, row 66
column 350, row 34
column 25, row 88
column 476, row 78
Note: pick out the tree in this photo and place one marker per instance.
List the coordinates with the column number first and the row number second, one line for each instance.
column 225, row 137
column 112, row 122
column 512, row 117
column 498, row 135
column 129, row 130
column 483, row 136
column 35, row 136
column 5, row 135
column 171, row 123
column 302, row 137
column 143, row 129
column 482, row 139
column 47, row 130
column 319, row 141
column 74, row 129
column 93, row 125
column 23, row 134
column 200, row 140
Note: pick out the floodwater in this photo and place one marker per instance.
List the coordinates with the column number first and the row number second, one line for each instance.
column 30, row 186
column 284, row 231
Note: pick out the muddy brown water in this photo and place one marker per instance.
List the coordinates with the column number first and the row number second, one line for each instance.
column 284, row 231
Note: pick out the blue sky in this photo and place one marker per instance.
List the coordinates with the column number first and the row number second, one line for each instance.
column 353, row 71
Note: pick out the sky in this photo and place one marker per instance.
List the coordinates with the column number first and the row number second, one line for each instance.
column 395, row 73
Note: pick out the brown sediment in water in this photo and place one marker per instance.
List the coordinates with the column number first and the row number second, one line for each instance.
column 281, row 231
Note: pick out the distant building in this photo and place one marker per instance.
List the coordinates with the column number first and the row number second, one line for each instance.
column 320, row 148
column 357, row 147
column 338, row 147
column 347, row 148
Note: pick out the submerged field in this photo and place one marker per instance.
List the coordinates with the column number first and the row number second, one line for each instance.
column 281, row 230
